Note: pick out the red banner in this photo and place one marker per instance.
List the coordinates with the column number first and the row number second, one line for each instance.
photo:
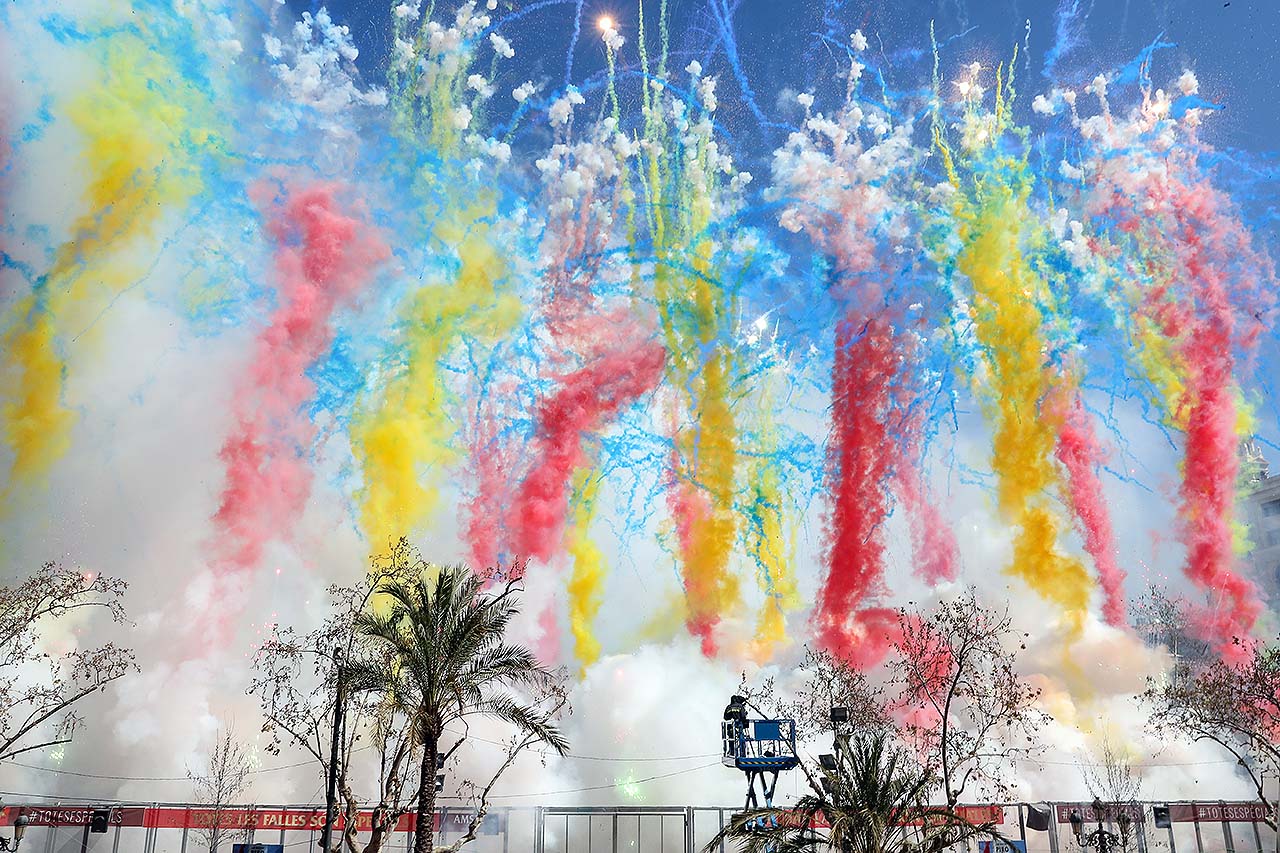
column 1110, row 812
column 1207, row 811
column 1237, row 812
column 178, row 817
column 971, row 814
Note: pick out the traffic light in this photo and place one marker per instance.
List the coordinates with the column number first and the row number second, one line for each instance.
column 439, row 782
column 100, row 820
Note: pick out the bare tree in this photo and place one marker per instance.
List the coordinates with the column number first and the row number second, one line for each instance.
column 965, row 708
column 39, row 689
column 296, row 683
column 552, row 694
column 224, row 778
column 1166, row 621
column 1233, row 704
column 1112, row 778
column 1113, row 783
column 829, row 682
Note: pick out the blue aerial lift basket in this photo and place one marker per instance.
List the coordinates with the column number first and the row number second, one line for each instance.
column 757, row 747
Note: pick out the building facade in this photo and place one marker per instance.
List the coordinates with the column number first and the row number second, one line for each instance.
column 1261, row 512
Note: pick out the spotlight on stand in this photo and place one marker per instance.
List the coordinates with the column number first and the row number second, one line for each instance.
column 828, row 761
column 839, row 715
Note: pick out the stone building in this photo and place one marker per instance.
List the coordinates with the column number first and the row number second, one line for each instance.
column 1261, row 511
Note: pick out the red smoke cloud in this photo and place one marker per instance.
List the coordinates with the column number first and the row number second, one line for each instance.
column 324, row 258
column 585, row 401
column 860, row 458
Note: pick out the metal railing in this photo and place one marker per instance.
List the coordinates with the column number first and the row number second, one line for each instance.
column 1194, row 827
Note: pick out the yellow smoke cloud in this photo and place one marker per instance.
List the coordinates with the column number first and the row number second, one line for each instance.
column 586, row 583
column 140, row 142
column 995, row 228
column 404, row 437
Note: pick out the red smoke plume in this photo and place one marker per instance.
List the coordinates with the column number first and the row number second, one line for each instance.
column 324, row 258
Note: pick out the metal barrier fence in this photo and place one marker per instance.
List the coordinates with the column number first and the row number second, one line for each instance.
column 1193, row 827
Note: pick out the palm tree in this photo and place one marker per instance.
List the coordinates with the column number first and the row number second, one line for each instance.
column 443, row 658
column 873, row 800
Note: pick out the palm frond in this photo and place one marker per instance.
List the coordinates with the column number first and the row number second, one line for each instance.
column 525, row 719
column 874, row 801
column 437, row 651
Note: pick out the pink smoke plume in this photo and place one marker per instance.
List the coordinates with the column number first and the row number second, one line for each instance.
column 933, row 542
column 491, row 465
column 324, row 258
column 847, row 214
column 691, row 508
column 585, row 401
column 546, row 645
column 1212, row 302
column 865, row 462
column 1211, row 462
column 595, row 377
column 936, row 557
column 1080, row 453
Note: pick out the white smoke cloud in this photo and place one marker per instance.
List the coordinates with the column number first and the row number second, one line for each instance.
column 134, row 496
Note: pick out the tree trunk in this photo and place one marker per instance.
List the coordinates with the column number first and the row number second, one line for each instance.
column 424, row 838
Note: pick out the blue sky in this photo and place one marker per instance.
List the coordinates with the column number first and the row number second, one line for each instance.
column 1233, row 45
column 762, row 48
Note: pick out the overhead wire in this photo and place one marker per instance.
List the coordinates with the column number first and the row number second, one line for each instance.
column 569, row 756
column 604, row 787
column 564, row 791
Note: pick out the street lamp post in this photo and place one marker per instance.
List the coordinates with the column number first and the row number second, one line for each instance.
column 1100, row 839
column 20, row 824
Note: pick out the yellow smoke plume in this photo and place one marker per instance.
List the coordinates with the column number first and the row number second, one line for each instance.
column 141, row 140
column 403, row 438
column 994, row 224
column 770, row 548
column 586, row 583
column 693, row 305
